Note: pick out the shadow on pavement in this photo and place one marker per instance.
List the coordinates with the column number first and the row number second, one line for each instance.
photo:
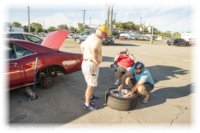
column 160, row 72
column 64, row 102
column 160, row 96
column 107, row 59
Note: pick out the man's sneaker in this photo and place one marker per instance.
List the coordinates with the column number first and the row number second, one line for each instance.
column 94, row 98
column 90, row 107
column 146, row 98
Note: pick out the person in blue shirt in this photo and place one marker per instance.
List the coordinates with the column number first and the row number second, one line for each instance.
column 139, row 79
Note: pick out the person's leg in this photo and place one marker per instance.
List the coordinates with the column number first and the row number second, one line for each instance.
column 91, row 83
column 119, row 74
column 88, row 93
column 142, row 90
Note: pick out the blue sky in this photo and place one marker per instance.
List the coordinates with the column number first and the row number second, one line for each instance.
column 164, row 17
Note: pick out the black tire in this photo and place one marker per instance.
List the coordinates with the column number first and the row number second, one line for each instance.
column 122, row 104
column 47, row 82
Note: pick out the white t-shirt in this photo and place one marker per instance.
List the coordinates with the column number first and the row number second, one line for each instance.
column 92, row 42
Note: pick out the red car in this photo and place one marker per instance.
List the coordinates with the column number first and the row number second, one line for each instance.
column 22, row 59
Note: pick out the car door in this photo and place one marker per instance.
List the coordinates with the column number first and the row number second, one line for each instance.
column 26, row 59
column 182, row 42
column 14, row 70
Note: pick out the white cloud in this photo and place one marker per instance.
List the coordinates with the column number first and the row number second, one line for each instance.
column 52, row 20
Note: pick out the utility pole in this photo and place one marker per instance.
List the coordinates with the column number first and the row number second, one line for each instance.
column 115, row 16
column 90, row 21
column 140, row 21
column 29, row 27
column 110, row 18
column 151, row 41
column 84, row 17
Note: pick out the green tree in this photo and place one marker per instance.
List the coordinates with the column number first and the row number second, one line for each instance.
column 167, row 34
column 25, row 27
column 51, row 28
column 37, row 27
column 73, row 29
column 80, row 27
column 63, row 26
column 119, row 25
column 156, row 31
column 176, row 35
column 16, row 24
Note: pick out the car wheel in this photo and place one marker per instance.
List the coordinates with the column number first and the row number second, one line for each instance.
column 47, row 82
column 78, row 40
column 120, row 103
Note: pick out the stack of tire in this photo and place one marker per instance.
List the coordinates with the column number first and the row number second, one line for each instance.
column 120, row 103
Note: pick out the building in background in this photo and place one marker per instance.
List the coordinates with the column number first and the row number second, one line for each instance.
column 187, row 35
column 10, row 28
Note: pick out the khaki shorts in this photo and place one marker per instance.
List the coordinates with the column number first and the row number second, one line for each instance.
column 91, row 72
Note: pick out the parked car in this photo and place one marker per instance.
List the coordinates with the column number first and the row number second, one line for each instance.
column 24, row 36
column 124, row 36
column 108, row 41
column 81, row 37
column 178, row 42
column 22, row 59
column 71, row 35
column 191, row 41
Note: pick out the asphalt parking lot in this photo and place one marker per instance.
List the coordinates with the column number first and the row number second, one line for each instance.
column 170, row 101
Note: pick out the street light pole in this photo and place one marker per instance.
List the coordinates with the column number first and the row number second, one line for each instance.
column 84, row 17
column 151, row 42
column 29, row 27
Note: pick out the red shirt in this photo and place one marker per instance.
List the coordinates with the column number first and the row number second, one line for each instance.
column 124, row 60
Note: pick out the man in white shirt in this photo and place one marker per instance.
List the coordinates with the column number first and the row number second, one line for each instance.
column 92, row 57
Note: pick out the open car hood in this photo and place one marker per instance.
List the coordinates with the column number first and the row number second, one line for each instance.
column 54, row 40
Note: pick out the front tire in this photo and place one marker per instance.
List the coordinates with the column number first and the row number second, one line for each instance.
column 47, row 82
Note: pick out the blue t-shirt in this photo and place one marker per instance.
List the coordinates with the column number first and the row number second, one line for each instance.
column 143, row 77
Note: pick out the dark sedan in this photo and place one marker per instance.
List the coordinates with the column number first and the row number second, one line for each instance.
column 177, row 42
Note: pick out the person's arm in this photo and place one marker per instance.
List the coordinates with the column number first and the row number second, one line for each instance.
column 131, row 56
column 135, row 88
column 95, row 56
column 116, row 58
column 82, row 47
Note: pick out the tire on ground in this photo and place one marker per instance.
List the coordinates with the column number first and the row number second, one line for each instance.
column 122, row 104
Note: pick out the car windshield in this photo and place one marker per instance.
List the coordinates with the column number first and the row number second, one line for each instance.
column 33, row 38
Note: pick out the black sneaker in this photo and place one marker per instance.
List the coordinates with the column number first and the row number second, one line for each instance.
column 90, row 107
